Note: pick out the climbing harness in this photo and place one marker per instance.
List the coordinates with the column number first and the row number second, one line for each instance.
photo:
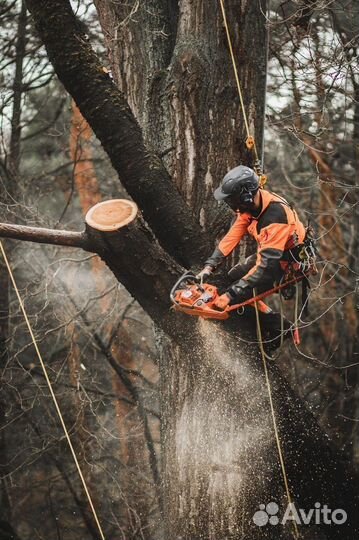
column 57, row 407
column 250, row 141
column 300, row 260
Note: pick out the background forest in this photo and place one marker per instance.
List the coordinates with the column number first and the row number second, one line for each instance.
column 99, row 344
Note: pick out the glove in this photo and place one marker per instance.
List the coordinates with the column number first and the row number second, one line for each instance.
column 205, row 273
column 240, row 292
column 221, row 302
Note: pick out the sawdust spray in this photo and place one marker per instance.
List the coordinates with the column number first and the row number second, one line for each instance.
column 222, row 433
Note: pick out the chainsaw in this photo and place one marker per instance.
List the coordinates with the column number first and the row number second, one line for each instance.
column 189, row 295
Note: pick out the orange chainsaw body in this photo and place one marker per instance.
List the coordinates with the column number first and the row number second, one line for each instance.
column 198, row 300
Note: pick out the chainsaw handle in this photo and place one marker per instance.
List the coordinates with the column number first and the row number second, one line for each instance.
column 185, row 278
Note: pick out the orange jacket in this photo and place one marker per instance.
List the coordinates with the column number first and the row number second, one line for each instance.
column 276, row 229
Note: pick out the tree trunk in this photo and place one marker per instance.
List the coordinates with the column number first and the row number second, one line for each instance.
column 220, row 459
column 104, row 107
column 18, row 92
column 171, row 60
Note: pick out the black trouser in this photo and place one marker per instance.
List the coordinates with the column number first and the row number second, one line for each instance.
column 241, row 269
column 272, row 323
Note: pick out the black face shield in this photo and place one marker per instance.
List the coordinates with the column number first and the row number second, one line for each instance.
column 238, row 189
column 243, row 200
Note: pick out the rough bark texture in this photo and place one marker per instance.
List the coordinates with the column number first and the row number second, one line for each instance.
column 171, row 61
column 110, row 117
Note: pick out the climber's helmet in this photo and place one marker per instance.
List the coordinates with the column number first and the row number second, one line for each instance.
column 238, row 189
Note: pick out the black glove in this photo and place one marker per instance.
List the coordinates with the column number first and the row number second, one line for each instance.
column 240, row 292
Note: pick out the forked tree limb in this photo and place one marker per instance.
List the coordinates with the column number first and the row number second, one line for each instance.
column 109, row 115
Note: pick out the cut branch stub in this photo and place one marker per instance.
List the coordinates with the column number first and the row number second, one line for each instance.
column 111, row 215
column 119, row 235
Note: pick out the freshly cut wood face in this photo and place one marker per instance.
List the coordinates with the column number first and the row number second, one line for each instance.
column 111, row 215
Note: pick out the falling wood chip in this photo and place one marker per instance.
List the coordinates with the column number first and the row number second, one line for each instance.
column 111, row 215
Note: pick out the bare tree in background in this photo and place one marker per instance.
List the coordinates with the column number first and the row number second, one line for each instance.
column 313, row 72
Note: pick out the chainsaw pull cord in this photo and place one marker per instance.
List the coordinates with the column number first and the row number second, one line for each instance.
column 250, row 142
column 47, row 378
column 274, row 420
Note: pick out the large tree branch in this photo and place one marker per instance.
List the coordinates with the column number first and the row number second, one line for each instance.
column 45, row 236
column 127, row 246
column 109, row 115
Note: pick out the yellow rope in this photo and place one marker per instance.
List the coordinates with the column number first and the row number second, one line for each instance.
column 249, row 136
column 52, row 393
column 275, row 426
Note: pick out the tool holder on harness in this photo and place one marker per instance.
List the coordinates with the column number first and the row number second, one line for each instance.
column 300, row 261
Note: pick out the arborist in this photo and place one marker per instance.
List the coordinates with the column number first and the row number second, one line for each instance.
column 270, row 220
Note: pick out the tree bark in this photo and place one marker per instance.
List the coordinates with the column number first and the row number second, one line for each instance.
column 171, row 61
column 110, row 117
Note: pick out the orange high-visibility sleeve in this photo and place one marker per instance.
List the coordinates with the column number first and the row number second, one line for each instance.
column 274, row 236
column 235, row 234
